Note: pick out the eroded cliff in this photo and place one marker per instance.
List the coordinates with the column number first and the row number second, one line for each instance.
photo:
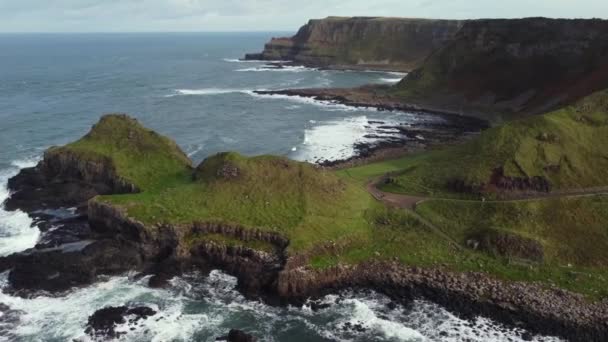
column 375, row 43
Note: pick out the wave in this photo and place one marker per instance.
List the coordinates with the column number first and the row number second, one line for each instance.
column 16, row 231
column 271, row 68
column 326, row 105
column 237, row 60
column 197, row 308
column 208, row 91
column 396, row 73
column 390, row 80
column 333, row 140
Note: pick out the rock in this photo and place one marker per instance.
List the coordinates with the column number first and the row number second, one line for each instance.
column 56, row 270
column 103, row 322
column 237, row 336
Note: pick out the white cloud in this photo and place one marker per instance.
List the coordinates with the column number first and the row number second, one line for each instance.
column 235, row 15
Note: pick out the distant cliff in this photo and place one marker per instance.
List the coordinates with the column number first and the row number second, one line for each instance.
column 375, row 43
column 512, row 67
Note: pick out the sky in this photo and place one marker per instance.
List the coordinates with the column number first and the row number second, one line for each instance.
column 259, row 15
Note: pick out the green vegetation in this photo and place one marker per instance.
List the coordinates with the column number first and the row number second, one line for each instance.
column 330, row 216
column 268, row 193
column 572, row 232
column 140, row 156
column 565, row 147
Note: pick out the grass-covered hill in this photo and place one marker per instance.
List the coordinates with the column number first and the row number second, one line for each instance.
column 120, row 146
column 560, row 151
column 505, row 68
column 267, row 193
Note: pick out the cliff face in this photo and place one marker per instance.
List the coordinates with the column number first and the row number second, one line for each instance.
column 527, row 65
column 376, row 43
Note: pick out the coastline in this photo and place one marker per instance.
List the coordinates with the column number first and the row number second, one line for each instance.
column 278, row 278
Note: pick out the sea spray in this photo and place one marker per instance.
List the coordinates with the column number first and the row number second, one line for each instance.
column 16, row 231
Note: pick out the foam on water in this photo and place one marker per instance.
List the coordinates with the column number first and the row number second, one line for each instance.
column 208, row 91
column 271, row 68
column 325, row 105
column 335, row 140
column 237, row 60
column 390, row 80
column 16, row 231
column 202, row 309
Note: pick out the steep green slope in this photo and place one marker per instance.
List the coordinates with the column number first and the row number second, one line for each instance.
column 559, row 151
column 505, row 68
column 120, row 146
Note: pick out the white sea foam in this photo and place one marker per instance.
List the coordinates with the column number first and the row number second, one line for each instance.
column 196, row 308
column 390, row 80
column 209, row 91
column 271, row 68
column 16, row 231
column 333, row 140
column 237, row 60
column 325, row 105
column 192, row 150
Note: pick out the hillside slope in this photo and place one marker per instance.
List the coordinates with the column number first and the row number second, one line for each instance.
column 359, row 42
column 503, row 68
column 559, row 151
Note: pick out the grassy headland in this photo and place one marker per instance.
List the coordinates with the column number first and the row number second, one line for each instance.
column 331, row 218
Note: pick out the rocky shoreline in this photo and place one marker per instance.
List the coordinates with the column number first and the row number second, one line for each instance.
column 119, row 244
column 377, row 96
column 451, row 129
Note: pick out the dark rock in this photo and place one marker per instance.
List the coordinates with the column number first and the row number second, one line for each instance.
column 103, row 322
column 55, row 270
column 237, row 336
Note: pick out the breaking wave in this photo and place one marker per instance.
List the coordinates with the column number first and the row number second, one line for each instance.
column 16, row 231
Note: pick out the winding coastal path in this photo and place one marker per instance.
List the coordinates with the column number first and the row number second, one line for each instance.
column 409, row 202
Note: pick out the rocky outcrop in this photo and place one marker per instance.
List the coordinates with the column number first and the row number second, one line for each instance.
column 369, row 43
column 237, row 336
column 65, row 178
column 103, row 323
column 503, row 186
column 513, row 66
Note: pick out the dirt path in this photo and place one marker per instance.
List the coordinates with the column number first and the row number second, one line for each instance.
column 405, row 201
column 409, row 202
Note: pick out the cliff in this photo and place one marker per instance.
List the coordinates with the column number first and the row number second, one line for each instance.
column 367, row 43
column 501, row 69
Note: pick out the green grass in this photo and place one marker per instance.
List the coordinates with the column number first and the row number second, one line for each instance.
column 572, row 232
column 331, row 217
column 304, row 204
column 140, row 156
column 565, row 147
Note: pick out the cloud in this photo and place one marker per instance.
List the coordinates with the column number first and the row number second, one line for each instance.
column 235, row 15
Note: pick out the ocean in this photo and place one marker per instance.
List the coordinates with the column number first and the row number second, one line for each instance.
column 193, row 88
